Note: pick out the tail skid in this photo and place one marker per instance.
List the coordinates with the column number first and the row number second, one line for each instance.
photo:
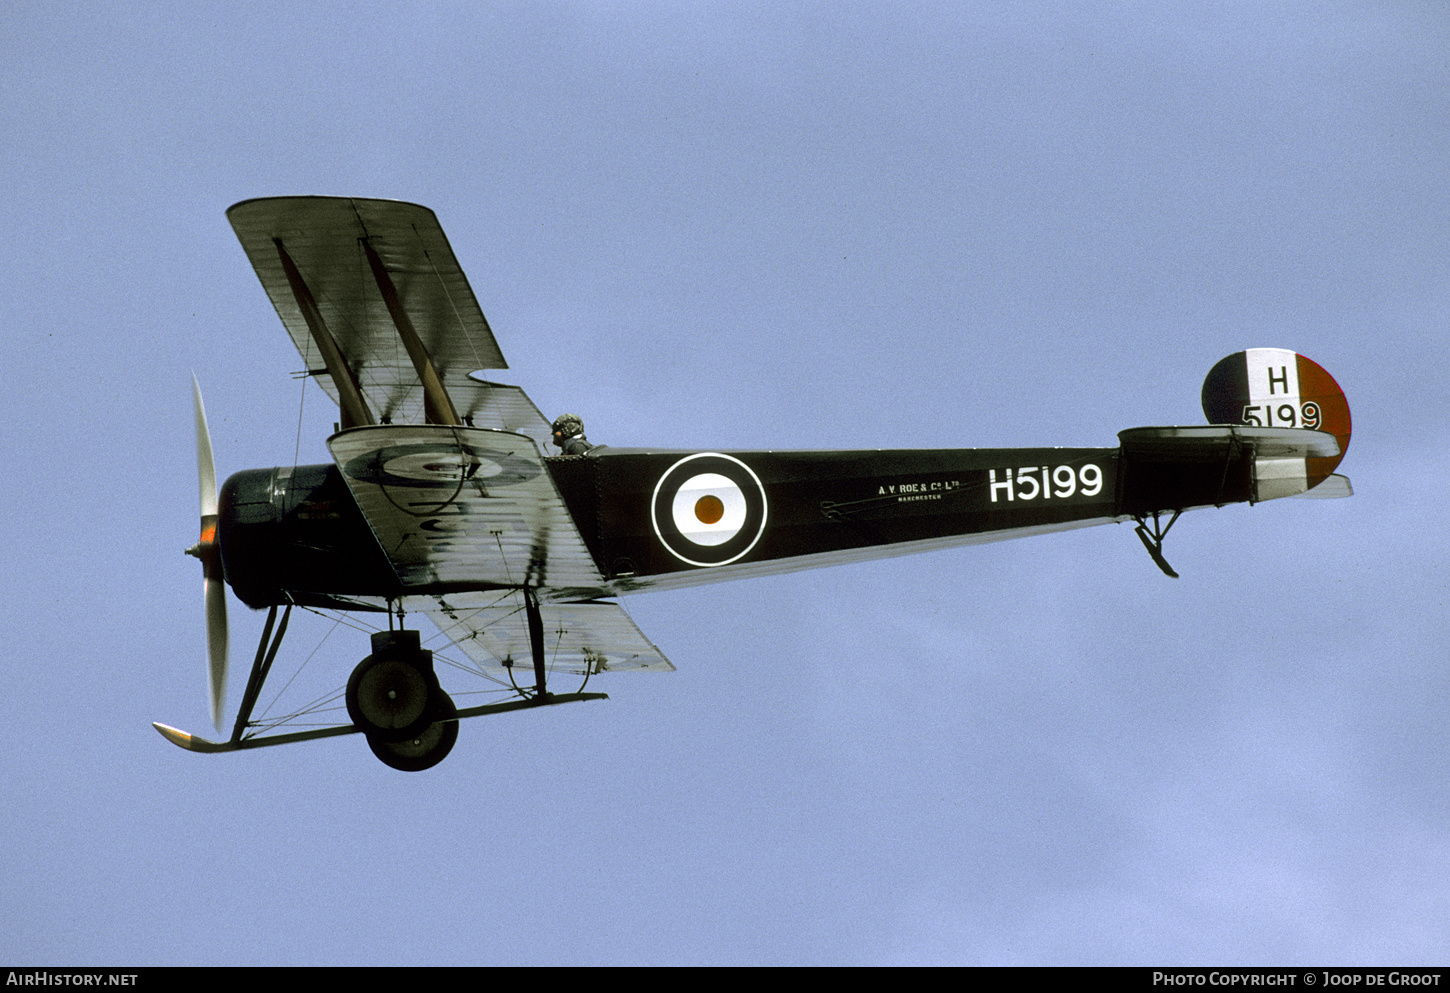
column 1153, row 541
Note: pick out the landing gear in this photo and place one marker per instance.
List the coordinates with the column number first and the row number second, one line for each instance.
column 394, row 698
column 392, row 692
column 428, row 747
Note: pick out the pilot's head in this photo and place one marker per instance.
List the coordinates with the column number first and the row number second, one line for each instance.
column 567, row 426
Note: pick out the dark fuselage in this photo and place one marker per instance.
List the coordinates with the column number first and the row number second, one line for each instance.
column 297, row 533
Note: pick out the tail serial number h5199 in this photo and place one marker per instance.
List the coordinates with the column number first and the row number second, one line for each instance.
column 441, row 498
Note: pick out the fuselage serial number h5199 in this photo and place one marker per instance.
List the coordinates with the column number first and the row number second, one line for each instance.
column 1045, row 482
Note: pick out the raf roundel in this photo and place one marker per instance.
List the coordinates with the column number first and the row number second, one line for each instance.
column 708, row 509
column 439, row 465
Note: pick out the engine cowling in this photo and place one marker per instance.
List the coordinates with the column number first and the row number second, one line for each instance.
column 295, row 534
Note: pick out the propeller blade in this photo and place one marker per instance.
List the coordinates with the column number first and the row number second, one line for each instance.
column 205, row 466
column 209, row 552
column 216, row 645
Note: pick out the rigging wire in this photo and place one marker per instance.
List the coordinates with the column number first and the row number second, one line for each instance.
column 276, row 696
column 301, row 406
column 453, row 304
column 328, row 702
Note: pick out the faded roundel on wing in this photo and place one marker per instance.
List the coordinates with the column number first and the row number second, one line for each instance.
column 439, row 465
column 708, row 509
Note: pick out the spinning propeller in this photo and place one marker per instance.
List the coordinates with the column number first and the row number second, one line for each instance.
column 208, row 550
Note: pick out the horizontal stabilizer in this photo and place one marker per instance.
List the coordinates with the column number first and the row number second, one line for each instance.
column 1214, row 439
column 1334, row 487
column 1174, row 468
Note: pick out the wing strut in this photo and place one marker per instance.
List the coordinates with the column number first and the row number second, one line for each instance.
column 355, row 410
column 536, row 642
column 437, row 405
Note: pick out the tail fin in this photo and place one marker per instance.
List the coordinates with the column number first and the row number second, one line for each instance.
column 1277, row 388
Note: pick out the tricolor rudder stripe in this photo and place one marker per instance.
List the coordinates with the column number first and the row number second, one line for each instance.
column 708, row 509
column 1274, row 387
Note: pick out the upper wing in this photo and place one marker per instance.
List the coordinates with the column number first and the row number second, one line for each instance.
column 379, row 309
column 579, row 638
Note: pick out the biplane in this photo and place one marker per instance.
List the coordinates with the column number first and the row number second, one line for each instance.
column 443, row 497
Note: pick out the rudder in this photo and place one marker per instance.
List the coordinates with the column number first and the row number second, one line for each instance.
column 1278, row 388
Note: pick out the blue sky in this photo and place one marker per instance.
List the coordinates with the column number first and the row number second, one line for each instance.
column 737, row 226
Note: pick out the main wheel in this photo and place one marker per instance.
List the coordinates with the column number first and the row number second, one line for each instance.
column 426, row 749
column 390, row 699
